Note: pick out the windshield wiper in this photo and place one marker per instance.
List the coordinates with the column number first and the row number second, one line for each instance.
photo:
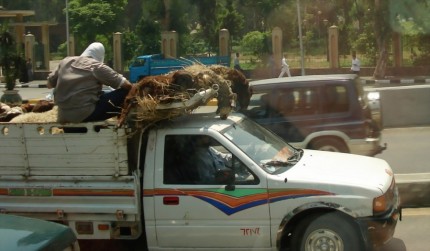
column 276, row 163
column 293, row 159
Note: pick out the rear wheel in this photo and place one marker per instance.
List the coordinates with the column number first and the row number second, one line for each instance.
column 327, row 232
column 330, row 145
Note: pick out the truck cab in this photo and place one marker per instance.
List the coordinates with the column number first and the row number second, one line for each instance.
column 132, row 183
column 272, row 196
column 157, row 64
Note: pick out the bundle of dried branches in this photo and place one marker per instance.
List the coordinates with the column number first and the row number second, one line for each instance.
column 157, row 97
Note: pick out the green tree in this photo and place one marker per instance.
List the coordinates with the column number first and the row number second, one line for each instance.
column 253, row 42
column 410, row 18
column 258, row 13
column 383, row 34
column 90, row 18
column 206, row 11
column 231, row 20
column 10, row 61
column 364, row 41
column 149, row 35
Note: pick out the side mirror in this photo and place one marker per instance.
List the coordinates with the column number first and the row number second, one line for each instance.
column 225, row 176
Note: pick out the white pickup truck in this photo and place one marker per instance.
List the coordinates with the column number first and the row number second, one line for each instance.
column 128, row 183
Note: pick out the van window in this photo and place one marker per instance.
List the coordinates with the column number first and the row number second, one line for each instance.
column 305, row 101
column 335, row 99
column 259, row 107
column 284, row 103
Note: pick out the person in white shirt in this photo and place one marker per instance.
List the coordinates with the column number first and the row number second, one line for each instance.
column 236, row 63
column 285, row 67
column 355, row 64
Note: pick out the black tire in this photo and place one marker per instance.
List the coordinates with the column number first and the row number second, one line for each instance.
column 330, row 231
column 330, row 145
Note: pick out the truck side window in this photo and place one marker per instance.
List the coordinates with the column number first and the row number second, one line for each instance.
column 200, row 159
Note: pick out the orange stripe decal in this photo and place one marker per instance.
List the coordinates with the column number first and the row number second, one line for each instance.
column 93, row 192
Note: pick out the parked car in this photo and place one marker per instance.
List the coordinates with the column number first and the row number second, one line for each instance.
column 29, row 234
column 322, row 112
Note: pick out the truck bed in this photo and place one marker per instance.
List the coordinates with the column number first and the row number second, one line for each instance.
column 45, row 196
column 30, row 149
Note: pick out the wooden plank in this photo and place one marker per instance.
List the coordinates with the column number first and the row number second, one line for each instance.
column 96, row 152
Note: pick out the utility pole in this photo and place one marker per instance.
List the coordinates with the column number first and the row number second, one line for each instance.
column 67, row 27
column 302, row 56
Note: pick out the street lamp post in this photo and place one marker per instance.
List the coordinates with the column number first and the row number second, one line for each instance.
column 325, row 21
column 318, row 24
column 299, row 20
column 67, row 27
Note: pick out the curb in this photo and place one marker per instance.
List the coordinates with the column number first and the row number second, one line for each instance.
column 403, row 81
column 414, row 189
column 27, row 85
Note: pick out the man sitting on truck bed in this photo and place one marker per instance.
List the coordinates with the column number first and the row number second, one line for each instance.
column 78, row 83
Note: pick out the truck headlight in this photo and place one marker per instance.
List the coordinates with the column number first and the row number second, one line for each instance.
column 384, row 202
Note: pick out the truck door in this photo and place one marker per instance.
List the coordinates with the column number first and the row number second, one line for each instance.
column 195, row 208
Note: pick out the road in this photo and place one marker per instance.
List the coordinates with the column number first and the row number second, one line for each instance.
column 407, row 150
column 411, row 235
column 33, row 92
column 412, row 232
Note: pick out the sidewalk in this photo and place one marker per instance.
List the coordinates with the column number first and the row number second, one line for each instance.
column 32, row 84
column 390, row 81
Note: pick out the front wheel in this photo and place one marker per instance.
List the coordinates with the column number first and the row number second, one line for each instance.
column 328, row 232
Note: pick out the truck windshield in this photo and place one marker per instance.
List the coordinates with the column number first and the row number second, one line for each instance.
column 138, row 62
column 268, row 150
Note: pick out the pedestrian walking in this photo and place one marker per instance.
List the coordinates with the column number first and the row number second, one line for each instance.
column 285, row 67
column 29, row 66
column 236, row 63
column 355, row 64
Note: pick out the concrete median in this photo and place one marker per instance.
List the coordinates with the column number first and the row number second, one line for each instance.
column 414, row 189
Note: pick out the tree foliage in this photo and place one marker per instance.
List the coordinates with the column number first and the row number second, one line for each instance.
column 253, row 42
column 364, row 25
column 410, row 17
column 87, row 16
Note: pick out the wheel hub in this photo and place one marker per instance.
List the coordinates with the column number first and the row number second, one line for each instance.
column 324, row 240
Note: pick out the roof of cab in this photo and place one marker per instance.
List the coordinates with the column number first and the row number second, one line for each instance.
column 299, row 79
column 202, row 120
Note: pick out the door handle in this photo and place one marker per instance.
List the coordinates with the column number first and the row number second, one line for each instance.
column 171, row 200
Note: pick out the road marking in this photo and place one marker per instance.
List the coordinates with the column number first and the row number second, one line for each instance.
column 415, row 211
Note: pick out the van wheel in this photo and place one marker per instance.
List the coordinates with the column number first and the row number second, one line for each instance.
column 330, row 231
column 330, row 145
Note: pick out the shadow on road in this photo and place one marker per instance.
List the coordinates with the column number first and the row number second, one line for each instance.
column 394, row 245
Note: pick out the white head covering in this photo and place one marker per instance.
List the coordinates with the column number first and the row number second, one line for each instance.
column 95, row 50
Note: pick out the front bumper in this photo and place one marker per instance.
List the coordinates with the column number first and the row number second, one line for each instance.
column 377, row 231
column 367, row 147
